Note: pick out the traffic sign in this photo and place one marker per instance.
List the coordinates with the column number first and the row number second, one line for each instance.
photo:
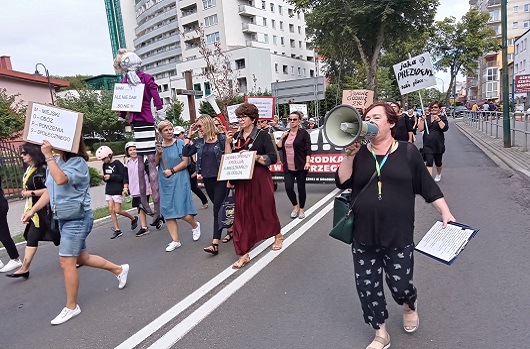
column 181, row 91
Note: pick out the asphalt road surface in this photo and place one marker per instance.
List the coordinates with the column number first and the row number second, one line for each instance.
column 300, row 297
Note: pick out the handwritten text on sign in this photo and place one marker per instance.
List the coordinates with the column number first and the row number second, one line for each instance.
column 128, row 97
column 358, row 98
column 415, row 74
column 232, row 117
column 237, row 166
column 265, row 106
column 58, row 126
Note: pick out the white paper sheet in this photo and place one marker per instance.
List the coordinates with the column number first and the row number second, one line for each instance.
column 444, row 244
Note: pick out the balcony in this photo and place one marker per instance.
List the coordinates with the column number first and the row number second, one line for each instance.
column 189, row 18
column 252, row 43
column 494, row 3
column 249, row 11
column 187, row 4
column 250, row 28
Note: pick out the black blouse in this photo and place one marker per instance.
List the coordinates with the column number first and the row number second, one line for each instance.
column 389, row 222
column 434, row 141
column 259, row 141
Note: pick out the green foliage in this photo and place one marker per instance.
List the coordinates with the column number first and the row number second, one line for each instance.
column 12, row 115
column 76, row 82
column 359, row 30
column 174, row 113
column 458, row 46
column 97, row 114
column 95, row 177
column 118, row 147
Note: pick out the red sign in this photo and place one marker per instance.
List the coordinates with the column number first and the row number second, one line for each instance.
column 522, row 83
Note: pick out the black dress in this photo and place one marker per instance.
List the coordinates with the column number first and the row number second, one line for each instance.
column 434, row 141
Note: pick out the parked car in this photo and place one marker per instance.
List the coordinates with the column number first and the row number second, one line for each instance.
column 457, row 112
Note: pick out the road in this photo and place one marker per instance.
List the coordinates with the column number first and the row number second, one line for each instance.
column 301, row 297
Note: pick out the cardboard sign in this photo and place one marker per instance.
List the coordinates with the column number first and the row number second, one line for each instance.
column 522, row 83
column 265, row 104
column 237, row 166
column 358, row 98
column 128, row 97
column 415, row 73
column 231, row 109
column 61, row 127
column 301, row 108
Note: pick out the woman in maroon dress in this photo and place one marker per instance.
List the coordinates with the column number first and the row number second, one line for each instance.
column 255, row 216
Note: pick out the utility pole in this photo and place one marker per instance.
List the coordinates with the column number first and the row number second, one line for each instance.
column 505, row 93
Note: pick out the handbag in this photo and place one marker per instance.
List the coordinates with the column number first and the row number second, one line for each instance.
column 68, row 211
column 343, row 216
column 52, row 227
column 226, row 212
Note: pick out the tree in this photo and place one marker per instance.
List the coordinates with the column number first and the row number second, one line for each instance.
column 332, row 23
column 97, row 114
column 457, row 46
column 12, row 115
column 76, row 82
column 174, row 113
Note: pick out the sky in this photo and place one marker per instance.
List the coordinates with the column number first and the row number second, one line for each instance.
column 71, row 37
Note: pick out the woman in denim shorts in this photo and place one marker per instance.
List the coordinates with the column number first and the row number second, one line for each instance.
column 68, row 181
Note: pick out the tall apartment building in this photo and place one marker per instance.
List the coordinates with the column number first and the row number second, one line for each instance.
column 120, row 15
column 265, row 40
column 486, row 83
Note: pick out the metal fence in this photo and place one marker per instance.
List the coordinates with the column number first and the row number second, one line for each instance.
column 490, row 122
column 11, row 170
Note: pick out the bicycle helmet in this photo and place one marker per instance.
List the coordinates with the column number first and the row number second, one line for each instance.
column 103, row 152
column 128, row 145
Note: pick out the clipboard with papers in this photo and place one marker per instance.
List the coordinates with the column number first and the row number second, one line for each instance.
column 445, row 244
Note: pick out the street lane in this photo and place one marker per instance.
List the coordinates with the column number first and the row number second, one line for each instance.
column 305, row 298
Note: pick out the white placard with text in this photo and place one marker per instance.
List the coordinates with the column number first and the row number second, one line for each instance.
column 237, row 166
column 265, row 106
column 231, row 109
column 128, row 97
column 415, row 73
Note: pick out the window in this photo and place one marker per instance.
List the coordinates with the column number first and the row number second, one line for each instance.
column 284, row 68
column 263, row 5
column 197, row 87
column 240, row 63
column 491, row 74
column 281, row 25
column 274, row 40
column 299, row 44
column 491, row 90
column 298, row 14
column 299, row 30
column 304, row 72
column 526, row 24
column 208, row 3
column 515, row 9
column 299, row 71
column 282, row 42
column 211, row 38
column 292, row 70
column 276, row 67
column 510, row 56
column 495, row 16
column 207, row 89
column 515, row 25
column 510, row 42
column 273, row 24
column 290, row 12
column 266, row 38
column 311, row 73
column 516, row 68
column 527, row 8
column 210, row 20
column 264, row 21
column 272, row 7
column 280, row 9
column 291, row 28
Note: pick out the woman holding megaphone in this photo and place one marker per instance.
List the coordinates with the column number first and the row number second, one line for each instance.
column 393, row 173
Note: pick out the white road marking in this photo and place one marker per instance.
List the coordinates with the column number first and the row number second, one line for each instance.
column 186, row 325
column 178, row 308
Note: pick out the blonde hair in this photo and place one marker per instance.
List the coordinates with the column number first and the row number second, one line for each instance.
column 117, row 60
column 210, row 131
column 163, row 124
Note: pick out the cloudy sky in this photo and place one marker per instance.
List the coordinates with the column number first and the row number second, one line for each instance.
column 71, row 36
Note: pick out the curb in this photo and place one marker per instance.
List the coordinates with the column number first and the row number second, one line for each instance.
column 495, row 155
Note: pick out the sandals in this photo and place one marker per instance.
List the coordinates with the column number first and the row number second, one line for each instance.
column 213, row 249
column 384, row 341
column 413, row 324
column 241, row 262
column 227, row 238
column 278, row 243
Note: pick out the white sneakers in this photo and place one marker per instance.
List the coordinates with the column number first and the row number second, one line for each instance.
column 294, row 214
column 173, row 245
column 196, row 232
column 66, row 314
column 438, row 178
column 122, row 278
column 11, row 265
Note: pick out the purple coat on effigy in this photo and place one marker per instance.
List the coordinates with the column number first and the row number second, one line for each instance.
column 150, row 92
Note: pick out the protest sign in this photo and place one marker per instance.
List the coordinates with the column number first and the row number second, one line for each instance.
column 358, row 98
column 128, row 97
column 231, row 109
column 299, row 107
column 236, row 166
column 60, row 127
column 415, row 73
column 265, row 104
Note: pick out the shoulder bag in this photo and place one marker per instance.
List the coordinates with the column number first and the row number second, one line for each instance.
column 343, row 216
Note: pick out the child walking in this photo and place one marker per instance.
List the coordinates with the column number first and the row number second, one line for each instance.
column 115, row 175
column 134, row 186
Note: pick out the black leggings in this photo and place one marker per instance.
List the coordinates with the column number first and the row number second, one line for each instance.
column 300, row 177
column 195, row 188
column 436, row 158
column 5, row 234
column 369, row 264
column 216, row 192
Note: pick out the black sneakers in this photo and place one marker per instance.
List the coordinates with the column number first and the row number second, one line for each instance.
column 116, row 234
column 158, row 222
column 134, row 223
column 142, row 232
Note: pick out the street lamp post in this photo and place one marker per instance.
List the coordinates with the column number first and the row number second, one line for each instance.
column 47, row 77
column 443, row 83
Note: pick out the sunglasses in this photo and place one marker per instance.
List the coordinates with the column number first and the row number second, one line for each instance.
column 23, row 153
column 290, row 119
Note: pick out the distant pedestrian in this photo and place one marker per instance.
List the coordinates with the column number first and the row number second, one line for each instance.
column 295, row 147
column 134, row 186
column 434, row 140
column 312, row 124
column 115, row 176
column 68, row 183
column 5, row 236
column 403, row 128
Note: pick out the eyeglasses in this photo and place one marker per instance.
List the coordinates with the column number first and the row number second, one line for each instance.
column 434, row 107
column 239, row 117
column 23, row 153
column 291, row 120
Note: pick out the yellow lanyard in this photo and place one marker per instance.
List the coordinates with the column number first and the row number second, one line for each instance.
column 379, row 166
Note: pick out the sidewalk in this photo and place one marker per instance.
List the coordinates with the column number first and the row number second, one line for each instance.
column 513, row 158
